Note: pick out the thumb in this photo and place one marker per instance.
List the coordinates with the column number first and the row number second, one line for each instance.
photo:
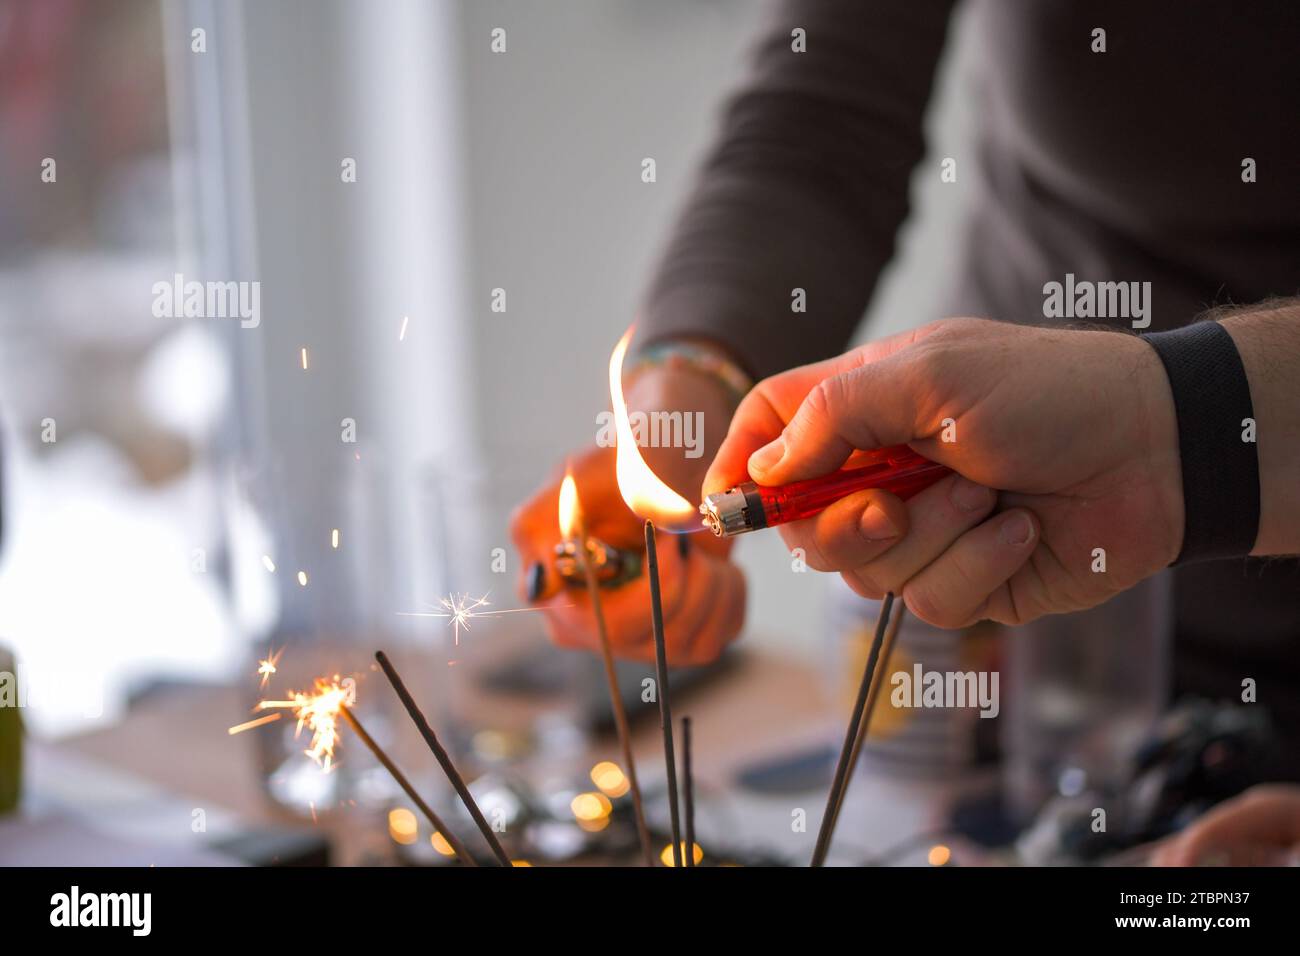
column 866, row 407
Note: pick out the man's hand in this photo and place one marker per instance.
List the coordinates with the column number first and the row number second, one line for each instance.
column 703, row 592
column 1259, row 828
column 1074, row 429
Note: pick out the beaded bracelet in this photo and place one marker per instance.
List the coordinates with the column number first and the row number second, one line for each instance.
column 678, row 354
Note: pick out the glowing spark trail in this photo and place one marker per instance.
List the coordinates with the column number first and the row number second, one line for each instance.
column 250, row 724
column 460, row 610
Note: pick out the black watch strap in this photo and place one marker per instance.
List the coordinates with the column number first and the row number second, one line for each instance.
column 1220, row 466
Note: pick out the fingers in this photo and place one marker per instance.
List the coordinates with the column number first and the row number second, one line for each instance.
column 934, row 519
column 968, row 582
column 774, row 401
column 703, row 599
column 849, row 533
column 761, row 416
column 1248, row 828
column 867, row 407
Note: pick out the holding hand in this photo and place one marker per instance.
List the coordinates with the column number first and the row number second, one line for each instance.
column 1259, row 828
column 703, row 591
column 1074, row 429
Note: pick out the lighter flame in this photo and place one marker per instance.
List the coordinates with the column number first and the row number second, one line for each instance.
column 568, row 506
column 645, row 494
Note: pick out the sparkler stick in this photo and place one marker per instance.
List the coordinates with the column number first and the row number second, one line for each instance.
column 688, row 792
column 877, row 688
column 840, row 780
column 661, row 673
column 430, row 738
column 615, row 697
column 405, row 784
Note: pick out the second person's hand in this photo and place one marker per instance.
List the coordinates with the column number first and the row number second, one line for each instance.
column 703, row 592
column 1075, row 430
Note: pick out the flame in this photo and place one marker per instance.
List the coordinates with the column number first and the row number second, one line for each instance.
column 645, row 494
column 568, row 506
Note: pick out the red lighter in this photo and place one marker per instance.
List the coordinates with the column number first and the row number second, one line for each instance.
column 751, row 506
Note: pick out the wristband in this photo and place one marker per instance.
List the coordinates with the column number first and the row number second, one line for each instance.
column 1220, row 469
column 696, row 357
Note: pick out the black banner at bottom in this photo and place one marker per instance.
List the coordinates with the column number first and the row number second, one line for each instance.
column 283, row 907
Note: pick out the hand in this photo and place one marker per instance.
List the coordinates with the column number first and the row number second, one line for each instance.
column 1259, row 828
column 1075, row 430
column 703, row 592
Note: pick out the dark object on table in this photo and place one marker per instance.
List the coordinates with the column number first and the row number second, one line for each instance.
column 1198, row 755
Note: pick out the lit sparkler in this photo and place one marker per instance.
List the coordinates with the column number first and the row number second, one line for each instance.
column 318, row 711
column 321, row 711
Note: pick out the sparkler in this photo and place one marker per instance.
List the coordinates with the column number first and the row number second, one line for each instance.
column 877, row 689
column 572, row 520
column 688, row 782
column 857, row 725
column 440, row 754
column 661, row 674
column 320, row 711
column 440, row 828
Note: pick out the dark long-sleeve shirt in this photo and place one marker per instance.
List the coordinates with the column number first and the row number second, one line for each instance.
column 1124, row 165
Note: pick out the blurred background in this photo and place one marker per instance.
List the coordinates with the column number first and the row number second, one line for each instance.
column 186, row 497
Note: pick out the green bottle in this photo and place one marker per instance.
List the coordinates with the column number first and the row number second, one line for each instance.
column 11, row 736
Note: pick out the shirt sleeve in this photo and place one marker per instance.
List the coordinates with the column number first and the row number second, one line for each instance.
column 806, row 185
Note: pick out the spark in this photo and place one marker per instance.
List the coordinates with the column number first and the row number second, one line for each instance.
column 459, row 610
column 304, row 358
column 334, row 539
column 302, row 578
column 268, row 563
column 406, row 319
column 267, row 667
column 250, row 724
column 318, row 711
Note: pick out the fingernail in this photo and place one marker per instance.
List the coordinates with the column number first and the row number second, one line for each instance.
column 1017, row 530
column 968, row 496
column 767, row 456
column 536, row 580
column 875, row 524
